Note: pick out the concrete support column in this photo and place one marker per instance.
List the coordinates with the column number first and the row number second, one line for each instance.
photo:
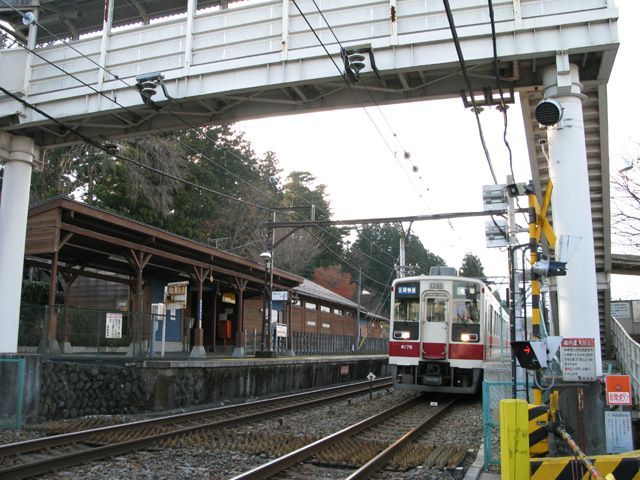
column 17, row 155
column 571, row 204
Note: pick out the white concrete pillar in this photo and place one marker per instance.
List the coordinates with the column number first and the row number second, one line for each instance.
column 17, row 155
column 571, row 205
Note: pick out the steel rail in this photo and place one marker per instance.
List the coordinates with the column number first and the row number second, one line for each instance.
column 380, row 460
column 290, row 459
column 66, row 460
column 74, row 437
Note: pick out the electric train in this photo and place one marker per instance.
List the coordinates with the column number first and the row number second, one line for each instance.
column 443, row 329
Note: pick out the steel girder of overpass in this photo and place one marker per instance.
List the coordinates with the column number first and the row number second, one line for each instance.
column 259, row 59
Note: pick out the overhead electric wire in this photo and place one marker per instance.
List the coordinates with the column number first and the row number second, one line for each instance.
column 503, row 105
column 109, row 152
column 467, row 80
column 202, row 155
column 344, row 78
column 384, row 117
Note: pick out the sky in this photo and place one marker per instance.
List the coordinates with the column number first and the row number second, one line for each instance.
column 359, row 156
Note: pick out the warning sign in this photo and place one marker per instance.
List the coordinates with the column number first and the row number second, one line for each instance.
column 618, row 388
column 578, row 359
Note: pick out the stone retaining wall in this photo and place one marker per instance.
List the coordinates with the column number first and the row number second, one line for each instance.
column 72, row 390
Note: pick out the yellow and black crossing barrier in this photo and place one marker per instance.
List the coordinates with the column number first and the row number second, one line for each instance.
column 538, row 430
column 519, row 432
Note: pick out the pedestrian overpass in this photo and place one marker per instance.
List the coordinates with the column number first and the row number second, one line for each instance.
column 225, row 61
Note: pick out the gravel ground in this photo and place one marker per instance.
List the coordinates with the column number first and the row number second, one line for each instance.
column 211, row 461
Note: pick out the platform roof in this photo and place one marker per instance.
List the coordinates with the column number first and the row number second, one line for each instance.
column 100, row 244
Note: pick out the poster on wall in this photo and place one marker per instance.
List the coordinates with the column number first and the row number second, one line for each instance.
column 113, row 325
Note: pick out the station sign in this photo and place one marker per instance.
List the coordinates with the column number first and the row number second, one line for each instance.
column 578, row 358
column 618, row 389
column 175, row 295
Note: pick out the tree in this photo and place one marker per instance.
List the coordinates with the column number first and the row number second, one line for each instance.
column 376, row 250
column 472, row 267
column 626, row 205
column 336, row 280
column 313, row 247
column 206, row 184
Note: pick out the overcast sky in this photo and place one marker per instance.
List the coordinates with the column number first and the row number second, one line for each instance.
column 355, row 159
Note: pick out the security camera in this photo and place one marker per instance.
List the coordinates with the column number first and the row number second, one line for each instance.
column 548, row 112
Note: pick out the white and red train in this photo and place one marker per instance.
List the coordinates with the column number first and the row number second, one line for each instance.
column 443, row 329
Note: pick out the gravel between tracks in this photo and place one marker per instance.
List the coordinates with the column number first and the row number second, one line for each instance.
column 462, row 425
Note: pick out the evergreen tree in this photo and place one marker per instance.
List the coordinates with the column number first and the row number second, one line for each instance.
column 377, row 249
column 472, row 267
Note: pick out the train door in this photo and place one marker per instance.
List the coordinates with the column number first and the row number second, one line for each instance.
column 435, row 331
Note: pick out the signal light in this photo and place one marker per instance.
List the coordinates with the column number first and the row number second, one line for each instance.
column 530, row 355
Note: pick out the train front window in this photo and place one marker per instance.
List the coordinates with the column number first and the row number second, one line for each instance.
column 466, row 312
column 407, row 309
column 436, row 310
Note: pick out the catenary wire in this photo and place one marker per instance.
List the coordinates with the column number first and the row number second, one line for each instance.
column 467, row 80
column 202, row 155
column 358, row 99
column 384, row 117
column 151, row 125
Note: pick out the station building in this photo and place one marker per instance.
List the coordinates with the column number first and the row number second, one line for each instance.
column 110, row 268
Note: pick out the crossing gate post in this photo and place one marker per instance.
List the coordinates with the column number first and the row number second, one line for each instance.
column 514, row 439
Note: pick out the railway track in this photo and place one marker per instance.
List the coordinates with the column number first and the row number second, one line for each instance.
column 388, row 439
column 54, row 453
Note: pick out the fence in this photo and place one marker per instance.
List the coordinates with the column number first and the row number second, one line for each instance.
column 12, row 371
column 318, row 344
column 492, row 393
column 627, row 352
column 99, row 333
column 96, row 333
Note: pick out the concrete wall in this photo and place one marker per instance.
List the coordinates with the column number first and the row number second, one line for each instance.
column 74, row 389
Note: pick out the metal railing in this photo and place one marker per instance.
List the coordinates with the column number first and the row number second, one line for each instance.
column 627, row 352
column 304, row 343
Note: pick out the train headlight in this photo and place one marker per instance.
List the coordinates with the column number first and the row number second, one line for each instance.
column 469, row 337
column 401, row 335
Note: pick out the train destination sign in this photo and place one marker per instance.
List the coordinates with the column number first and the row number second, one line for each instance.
column 578, row 359
column 408, row 290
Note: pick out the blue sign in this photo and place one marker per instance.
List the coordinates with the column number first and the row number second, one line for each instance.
column 408, row 290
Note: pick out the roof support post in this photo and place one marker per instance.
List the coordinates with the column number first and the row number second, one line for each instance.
column 241, row 286
column 17, row 155
column 49, row 344
column 138, row 260
column 67, row 280
column 200, row 274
